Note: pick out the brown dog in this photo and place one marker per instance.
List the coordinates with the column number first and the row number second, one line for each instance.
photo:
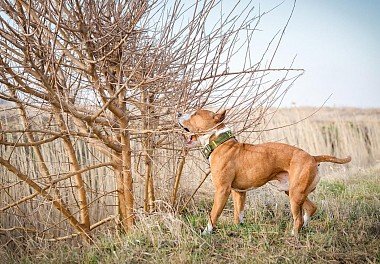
column 239, row 167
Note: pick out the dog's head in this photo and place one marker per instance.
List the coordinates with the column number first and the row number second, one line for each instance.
column 200, row 122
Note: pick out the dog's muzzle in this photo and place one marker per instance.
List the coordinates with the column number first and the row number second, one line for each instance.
column 181, row 119
column 184, row 128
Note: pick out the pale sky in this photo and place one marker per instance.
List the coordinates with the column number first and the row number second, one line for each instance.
column 337, row 42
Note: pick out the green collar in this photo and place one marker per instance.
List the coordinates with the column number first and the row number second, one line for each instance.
column 209, row 148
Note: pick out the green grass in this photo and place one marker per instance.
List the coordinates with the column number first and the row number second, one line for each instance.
column 345, row 229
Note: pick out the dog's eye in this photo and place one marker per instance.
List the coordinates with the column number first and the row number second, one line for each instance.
column 186, row 129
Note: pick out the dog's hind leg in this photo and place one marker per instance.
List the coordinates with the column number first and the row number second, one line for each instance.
column 239, row 201
column 220, row 199
column 296, row 202
column 303, row 172
column 309, row 209
column 296, row 206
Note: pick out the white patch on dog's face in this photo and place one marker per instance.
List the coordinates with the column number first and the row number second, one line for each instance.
column 183, row 118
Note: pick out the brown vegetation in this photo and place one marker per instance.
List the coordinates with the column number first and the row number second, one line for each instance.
column 92, row 89
column 89, row 92
column 24, row 209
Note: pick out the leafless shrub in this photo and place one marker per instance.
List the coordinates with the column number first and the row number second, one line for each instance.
column 108, row 77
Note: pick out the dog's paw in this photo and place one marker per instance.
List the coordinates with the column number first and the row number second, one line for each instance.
column 295, row 234
column 206, row 232
column 208, row 229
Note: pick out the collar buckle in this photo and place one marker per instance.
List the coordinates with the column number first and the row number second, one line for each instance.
column 206, row 151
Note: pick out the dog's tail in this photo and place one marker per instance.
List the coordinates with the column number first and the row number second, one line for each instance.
column 327, row 158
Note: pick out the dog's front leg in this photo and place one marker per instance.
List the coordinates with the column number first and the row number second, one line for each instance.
column 220, row 199
column 239, row 201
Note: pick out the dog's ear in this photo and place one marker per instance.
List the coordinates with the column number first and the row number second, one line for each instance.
column 220, row 116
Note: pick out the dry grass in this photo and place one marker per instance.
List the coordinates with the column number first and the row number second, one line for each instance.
column 336, row 131
column 345, row 230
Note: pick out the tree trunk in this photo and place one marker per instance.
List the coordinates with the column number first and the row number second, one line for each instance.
column 149, row 123
column 125, row 179
column 120, row 193
column 126, row 163
column 149, row 186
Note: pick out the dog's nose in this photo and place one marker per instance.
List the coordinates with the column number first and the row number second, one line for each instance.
column 179, row 114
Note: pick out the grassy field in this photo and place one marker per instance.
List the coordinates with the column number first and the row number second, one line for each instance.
column 345, row 229
column 336, row 131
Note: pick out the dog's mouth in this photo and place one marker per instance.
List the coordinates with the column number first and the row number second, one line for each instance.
column 191, row 141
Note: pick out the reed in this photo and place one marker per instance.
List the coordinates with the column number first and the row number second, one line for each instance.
column 333, row 131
